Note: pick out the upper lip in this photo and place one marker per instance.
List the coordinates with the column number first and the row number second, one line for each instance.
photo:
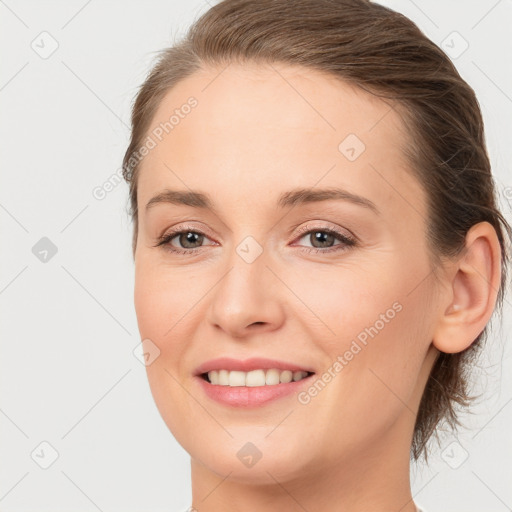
column 246, row 365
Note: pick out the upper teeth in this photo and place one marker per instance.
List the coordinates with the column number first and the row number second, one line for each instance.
column 254, row 377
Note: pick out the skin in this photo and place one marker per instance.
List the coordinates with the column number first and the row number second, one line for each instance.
column 259, row 131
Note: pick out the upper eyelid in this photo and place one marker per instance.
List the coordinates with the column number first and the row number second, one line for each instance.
column 340, row 230
column 304, row 229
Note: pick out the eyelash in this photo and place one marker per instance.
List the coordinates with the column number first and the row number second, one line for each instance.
column 347, row 241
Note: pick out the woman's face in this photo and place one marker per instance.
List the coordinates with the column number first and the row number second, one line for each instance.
column 277, row 265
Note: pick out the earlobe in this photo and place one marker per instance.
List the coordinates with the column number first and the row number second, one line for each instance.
column 471, row 291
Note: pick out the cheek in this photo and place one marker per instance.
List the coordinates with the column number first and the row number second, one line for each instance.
column 163, row 298
column 383, row 360
column 169, row 307
column 343, row 301
column 159, row 307
column 379, row 324
column 161, row 304
column 382, row 300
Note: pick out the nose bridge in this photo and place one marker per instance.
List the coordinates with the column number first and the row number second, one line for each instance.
column 247, row 277
column 246, row 294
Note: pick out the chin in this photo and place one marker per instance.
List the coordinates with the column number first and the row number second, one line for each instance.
column 258, row 463
column 262, row 473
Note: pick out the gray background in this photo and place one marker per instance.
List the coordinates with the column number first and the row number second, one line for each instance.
column 68, row 373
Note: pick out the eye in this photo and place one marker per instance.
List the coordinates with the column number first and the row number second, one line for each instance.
column 190, row 240
column 322, row 239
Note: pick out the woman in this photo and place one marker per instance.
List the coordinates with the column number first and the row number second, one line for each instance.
column 318, row 250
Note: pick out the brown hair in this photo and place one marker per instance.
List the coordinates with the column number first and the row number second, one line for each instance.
column 384, row 53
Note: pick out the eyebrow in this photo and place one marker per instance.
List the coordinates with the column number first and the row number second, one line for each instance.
column 291, row 198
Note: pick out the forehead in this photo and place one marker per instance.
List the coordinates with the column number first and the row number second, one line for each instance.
column 256, row 129
column 275, row 98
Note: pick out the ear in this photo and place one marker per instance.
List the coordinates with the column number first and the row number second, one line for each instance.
column 472, row 289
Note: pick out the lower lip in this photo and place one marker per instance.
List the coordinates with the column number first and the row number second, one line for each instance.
column 245, row 396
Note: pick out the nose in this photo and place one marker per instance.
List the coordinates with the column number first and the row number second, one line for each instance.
column 247, row 299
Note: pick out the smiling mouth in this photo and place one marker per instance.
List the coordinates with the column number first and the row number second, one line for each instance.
column 253, row 378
